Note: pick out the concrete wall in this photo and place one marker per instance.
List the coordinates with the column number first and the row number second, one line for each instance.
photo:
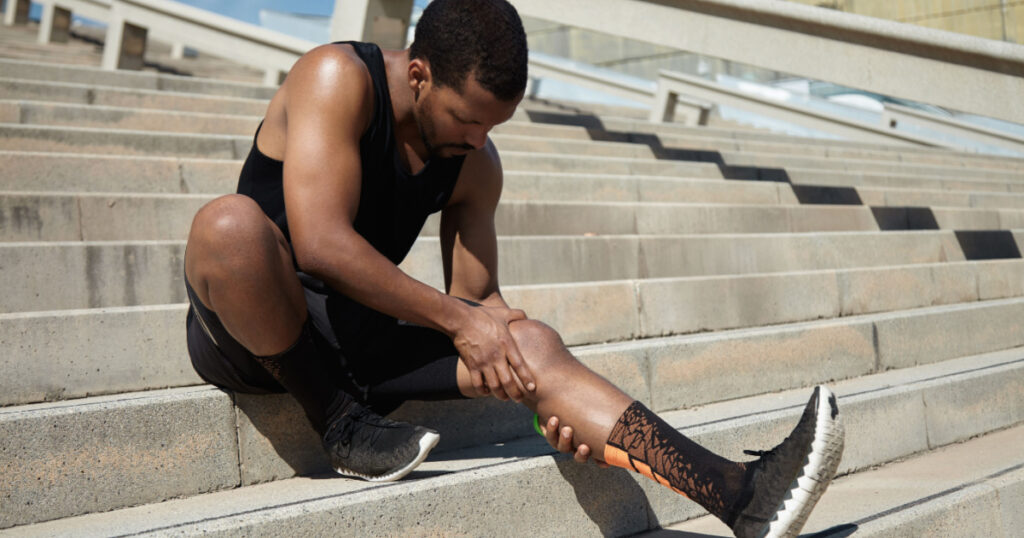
column 992, row 19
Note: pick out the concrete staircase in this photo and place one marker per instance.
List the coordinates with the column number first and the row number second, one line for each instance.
column 714, row 274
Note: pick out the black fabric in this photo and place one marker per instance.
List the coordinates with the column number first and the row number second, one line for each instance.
column 662, row 453
column 300, row 370
column 393, row 203
column 396, row 362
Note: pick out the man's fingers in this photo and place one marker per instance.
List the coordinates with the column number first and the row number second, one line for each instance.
column 508, row 383
column 551, row 432
column 478, row 381
column 494, row 384
column 565, row 440
column 519, row 365
column 514, row 314
column 582, row 454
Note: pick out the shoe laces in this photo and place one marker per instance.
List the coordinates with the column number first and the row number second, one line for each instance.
column 355, row 422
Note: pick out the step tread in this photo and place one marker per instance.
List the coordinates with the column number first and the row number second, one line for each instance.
column 469, row 468
column 890, row 491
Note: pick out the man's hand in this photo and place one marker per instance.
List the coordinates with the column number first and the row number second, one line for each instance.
column 491, row 355
column 561, row 440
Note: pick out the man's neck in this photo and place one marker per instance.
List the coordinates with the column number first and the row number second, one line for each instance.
column 407, row 132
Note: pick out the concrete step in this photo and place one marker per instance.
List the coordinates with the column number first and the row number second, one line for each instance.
column 625, row 309
column 696, row 140
column 845, row 148
column 55, row 216
column 529, row 260
column 736, row 158
column 151, row 354
column 978, row 492
column 929, row 406
column 33, row 171
column 127, row 273
column 109, row 217
column 704, row 139
column 52, row 172
column 74, row 115
column 86, row 94
column 813, row 176
column 29, row 70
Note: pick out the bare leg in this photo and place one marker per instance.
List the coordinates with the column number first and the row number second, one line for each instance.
column 240, row 267
column 610, row 422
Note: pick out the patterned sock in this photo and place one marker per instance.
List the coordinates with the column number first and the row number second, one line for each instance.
column 643, row 442
column 299, row 370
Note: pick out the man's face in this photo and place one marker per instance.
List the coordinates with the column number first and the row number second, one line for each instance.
column 453, row 123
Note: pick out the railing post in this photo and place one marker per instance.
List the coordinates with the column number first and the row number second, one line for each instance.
column 125, row 44
column 55, row 24
column 273, row 77
column 663, row 110
column 16, row 12
column 177, row 50
column 384, row 22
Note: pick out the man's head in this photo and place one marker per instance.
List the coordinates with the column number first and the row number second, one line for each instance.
column 467, row 71
column 483, row 37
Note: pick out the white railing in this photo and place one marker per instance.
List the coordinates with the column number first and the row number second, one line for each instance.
column 174, row 22
column 692, row 97
column 920, row 64
column 673, row 85
column 895, row 115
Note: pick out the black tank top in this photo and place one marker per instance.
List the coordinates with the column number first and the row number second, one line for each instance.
column 393, row 204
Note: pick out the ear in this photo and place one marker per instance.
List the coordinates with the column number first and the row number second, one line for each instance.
column 419, row 75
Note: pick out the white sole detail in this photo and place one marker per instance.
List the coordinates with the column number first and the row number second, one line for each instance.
column 427, row 443
column 815, row 476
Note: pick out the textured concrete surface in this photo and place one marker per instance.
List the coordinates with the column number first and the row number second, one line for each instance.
column 580, row 494
column 85, row 140
column 946, row 332
column 688, row 371
column 112, row 117
column 984, row 401
column 76, row 353
column 11, row 88
column 741, row 301
column 977, row 490
column 583, row 313
column 50, row 276
column 69, row 458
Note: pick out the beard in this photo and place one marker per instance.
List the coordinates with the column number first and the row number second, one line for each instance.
column 428, row 131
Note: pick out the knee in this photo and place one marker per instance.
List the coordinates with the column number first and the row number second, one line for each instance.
column 540, row 345
column 232, row 219
column 231, row 229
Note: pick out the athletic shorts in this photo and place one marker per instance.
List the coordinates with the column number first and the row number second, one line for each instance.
column 390, row 363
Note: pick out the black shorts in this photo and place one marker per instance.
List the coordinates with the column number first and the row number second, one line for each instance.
column 394, row 362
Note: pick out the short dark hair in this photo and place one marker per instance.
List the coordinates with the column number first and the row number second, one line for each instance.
column 485, row 37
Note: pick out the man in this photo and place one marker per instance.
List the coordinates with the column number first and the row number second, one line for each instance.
column 294, row 282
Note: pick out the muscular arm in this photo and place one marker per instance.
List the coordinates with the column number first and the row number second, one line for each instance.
column 469, row 247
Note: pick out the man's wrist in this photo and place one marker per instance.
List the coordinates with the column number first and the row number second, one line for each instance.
column 454, row 314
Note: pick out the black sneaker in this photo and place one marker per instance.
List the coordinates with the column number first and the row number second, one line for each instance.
column 784, row 484
column 365, row 445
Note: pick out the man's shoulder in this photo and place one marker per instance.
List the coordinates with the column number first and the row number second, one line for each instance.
column 330, row 65
column 330, row 82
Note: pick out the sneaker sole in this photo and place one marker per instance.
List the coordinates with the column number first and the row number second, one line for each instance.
column 427, row 443
column 819, row 468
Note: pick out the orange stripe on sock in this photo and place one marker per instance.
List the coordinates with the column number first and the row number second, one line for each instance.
column 617, row 457
column 644, row 469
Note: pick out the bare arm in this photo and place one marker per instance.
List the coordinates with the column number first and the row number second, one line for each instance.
column 328, row 103
column 469, row 246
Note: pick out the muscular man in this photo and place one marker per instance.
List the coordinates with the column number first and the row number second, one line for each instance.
column 295, row 287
